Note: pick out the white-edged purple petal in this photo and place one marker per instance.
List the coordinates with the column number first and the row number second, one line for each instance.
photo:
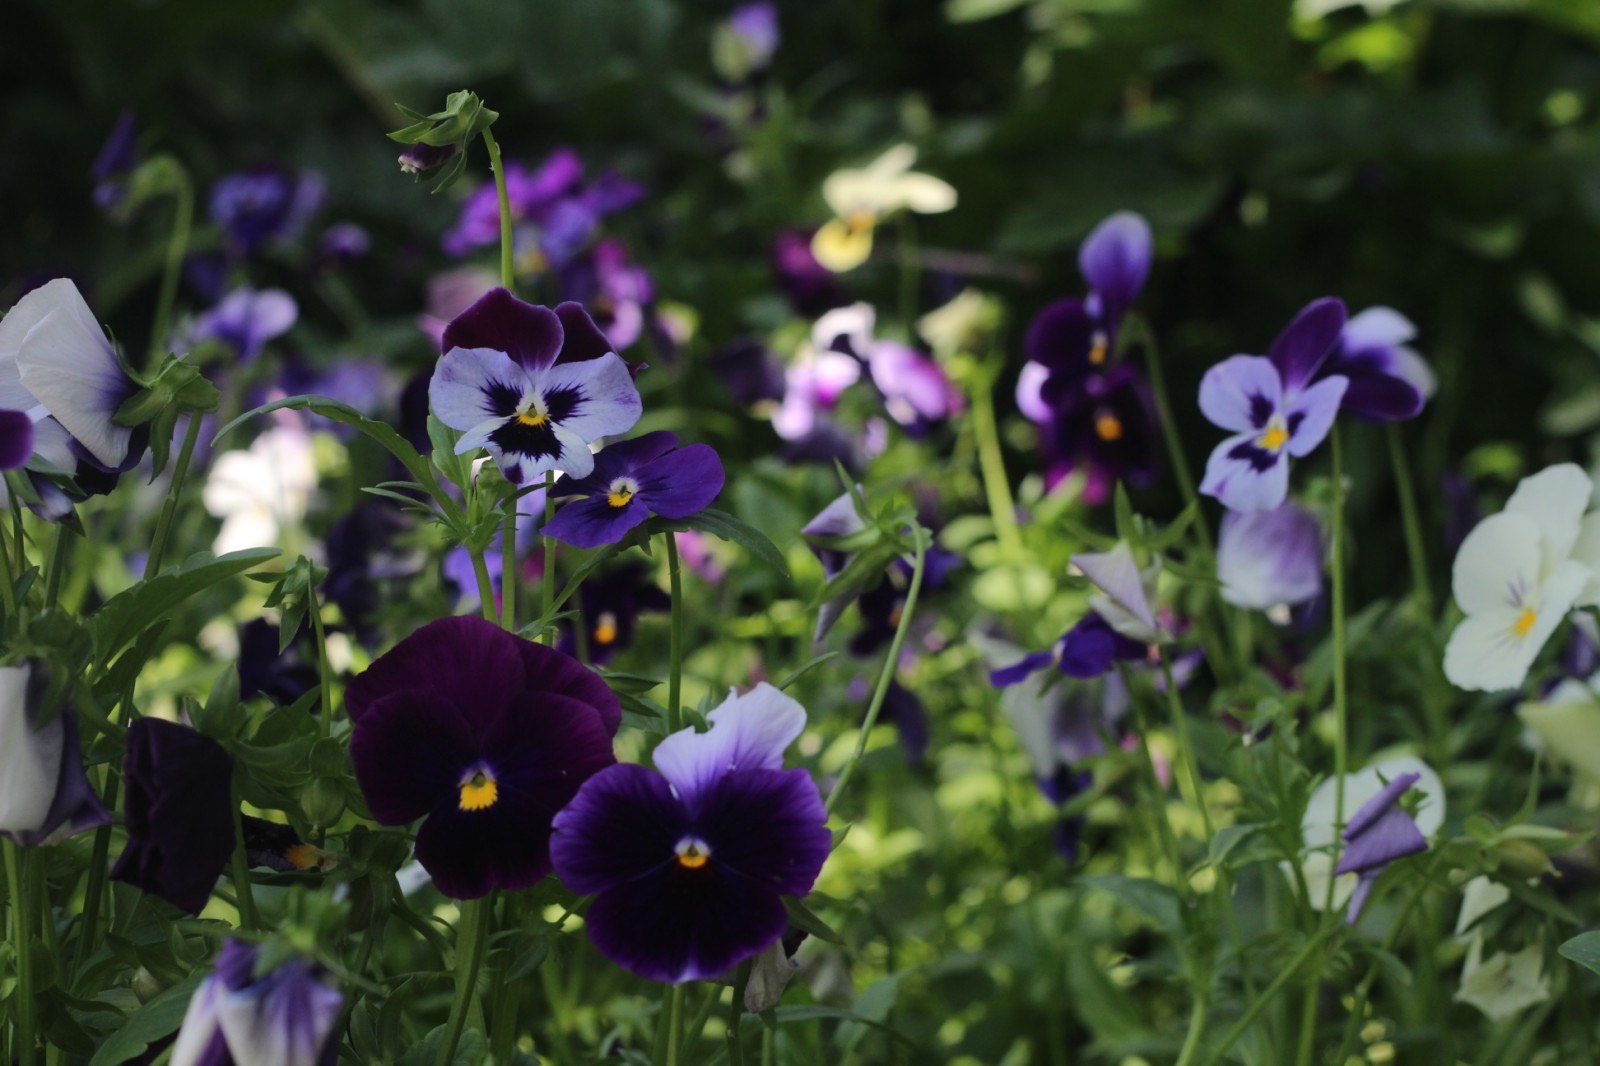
column 1310, row 415
column 200, row 1041
column 1115, row 260
column 1298, row 352
column 606, row 401
column 748, row 732
column 1271, row 557
column 1241, row 393
column 1125, row 593
column 1030, row 392
column 474, row 385
column 30, row 760
column 1376, row 327
column 68, row 365
column 284, row 1019
column 1245, row 476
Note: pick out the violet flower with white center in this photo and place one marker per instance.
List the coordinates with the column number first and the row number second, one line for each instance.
column 1270, row 558
column 57, row 364
column 44, row 794
column 632, row 480
column 246, row 319
column 1273, row 409
column 282, row 1018
column 532, row 385
column 1125, row 595
column 689, row 863
column 1515, row 579
column 1388, row 379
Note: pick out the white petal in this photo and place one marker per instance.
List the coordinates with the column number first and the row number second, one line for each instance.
column 1486, row 654
column 748, row 732
column 199, row 1024
column 1030, row 391
column 1568, row 723
column 464, row 381
column 68, row 365
column 1497, row 565
column 1125, row 593
column 854, row 323
column 1479, row 896
column 1415, row 371
column 1317, row 866
column 1377, row 327
column 609, row 401
column 922, row 193
column 30, row 761
column 1586, row 550
column 1502, row 986
column 52, row 443
column 1556, row 498
column 286, row 1026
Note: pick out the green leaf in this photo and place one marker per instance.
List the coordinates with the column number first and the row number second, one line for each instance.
column 133, row 610
column 800, row 915
column 1150, row 898
column 804, row 669
column 724, row 526
column 1583, row 949
column 156, row 1019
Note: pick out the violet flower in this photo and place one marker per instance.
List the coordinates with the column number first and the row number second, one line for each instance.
column 44, row 794
column 483, row 735
column 1388, row 379
column 632, row 480
column 617, row 293
column 1274, row 407
column 1380, row 833
column 284, row 1017
column 1103, row 426
column 1087, row 650
column 117, row 159
column 916, row 390
column 179, row 813
column 264, row 206
column 246, row 319
column 1270, row 558
column 811, row 287
column 689, row 865
column 610, row 605
column 531, row 385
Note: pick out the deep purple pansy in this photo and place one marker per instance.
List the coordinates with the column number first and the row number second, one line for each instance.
column 1380, row 833
column 284, row 1017
column 484, row 736
column 1090, row 648
column 532, row 385
column 610, row 605
column 1388, row 379
column 632, row 480
column 179, row 812
column 1275, row 408
column 265, row 205
column 689, row 865
column 44, row 793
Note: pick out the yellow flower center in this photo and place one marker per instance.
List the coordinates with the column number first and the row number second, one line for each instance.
column 693, row 853
column 531, row 418
column 605, row 631
column 621, row 492
column 1099, row 348
column 1108, row 426
column 1525, row 621
column 479, row 791
column 1275, row 437
column 860, row 220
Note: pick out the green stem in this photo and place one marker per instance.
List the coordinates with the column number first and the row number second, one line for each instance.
column 1411, row 520
column 547, row 569
column 472, row 932
column 485, row 586
column 1341, row 755
column 8, row 584
column 241, row 862
column 1169, row 428
column 180, row 472
column 1180, row 726
column 890, row 665
column 741, row 981
column 1288, row 973
column 674, row 1022
column 675, row 674
column 1158, row 799
column 508, row 569
column 22, row 939
column 508, row 269
column 58, row 563
column 695, row 1031
column 99, row 855
column 177, row 245
column 1002, row 506
column 1197, row 1027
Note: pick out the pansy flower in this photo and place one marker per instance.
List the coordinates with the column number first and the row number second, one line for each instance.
column 689, row 863
column 1270, row 558
column 261, row 493
column 632, row 480
column 484, row 736
column 1378, row 834
column 264, row 206
column 237, row 1017
column 1388, row 379
column 610, row 605
column 1275, row 408
column 115, row 163
column 246, row 319
column 1515, row 579
column 859, row 198
column 617, row 293
column 1125, row 593
column 532, row 385
column 1087, row 650
column 1103, row 426
column 179, row 811
column 44, row 794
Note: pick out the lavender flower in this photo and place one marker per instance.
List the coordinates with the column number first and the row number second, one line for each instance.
column 1388, row 379
column 264, row 206
column 246, row 320
column 1270, row 558
column 281, row 1018
column 632, row 480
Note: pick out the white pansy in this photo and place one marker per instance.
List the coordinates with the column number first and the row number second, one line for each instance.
column 30, row 760
column 859, row 197
column 1503, row 986
column 263, row 491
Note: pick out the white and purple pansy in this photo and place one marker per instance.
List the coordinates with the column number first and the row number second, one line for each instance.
column 632, row 480
column 531, row 385
column 1273, row 409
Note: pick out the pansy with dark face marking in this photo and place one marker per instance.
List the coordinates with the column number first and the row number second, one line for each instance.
column 484, row 736
column 689, row 865
column 237, row 1017
column 1273, row 409
column 632, row 480
column 532, row 385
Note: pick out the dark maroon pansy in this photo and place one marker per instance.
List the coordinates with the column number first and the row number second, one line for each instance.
column 632, row 480
column 484, row 736
column 689, row 866
column 179, row 812
column 534, row 336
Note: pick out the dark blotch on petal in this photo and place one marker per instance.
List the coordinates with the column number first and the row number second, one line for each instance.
column 528, row 333
column 1299, row 351
column 583, row 338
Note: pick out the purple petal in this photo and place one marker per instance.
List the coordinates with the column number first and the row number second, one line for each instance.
column 622, row 824
column 914, row 387
column 1380, row 396
column 410, row 751
column 1246, row 477
column 1378, row 805
column 529, row 334
column 1059, row 337
column 1241, row 393
column 1310, row 415
column 1115, row 261
column 1305, row 342
column 1007, row 676
column 622, row 459
column 1377, row 327
column 594, row 522
column 683, row 482
column 583, row 338
column 1270, row 558
column 472, row 386
column 748, row 732
column 768, row 826
column 1089, row 648
column 16, row 439
column 1393, row 835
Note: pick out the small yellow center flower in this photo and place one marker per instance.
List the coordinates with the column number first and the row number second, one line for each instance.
column 1107, row 426
column 693, row 853
column 621, row 492
column 1275, row 437
column 1525, row 621
column 531, row 418
column 479, row 792
column 605, row 630
column 1099, row 348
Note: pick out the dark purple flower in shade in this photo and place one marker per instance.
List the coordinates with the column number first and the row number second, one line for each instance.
column 361, row 553
column 747, row 369
column 617, row 293
column 179, row 812
column 689, row 865
column 1104, row 426
column 276, row 846
column 811, row 287
column 1087, row 650
column 609, row 609
column 1268, row 558
column 632, row 480
column 236, row 1017
column 16, row 439
column 117, row 159
column 483, row 735
column 1274, row 407
column 342, row 244
column 44, row 794
column 423, row 159
column 530, row 195
column 1380, row 833
column 282, row 674
column 246, row 320
column 264, row 206
column 1388, row 379
column 532, row 385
